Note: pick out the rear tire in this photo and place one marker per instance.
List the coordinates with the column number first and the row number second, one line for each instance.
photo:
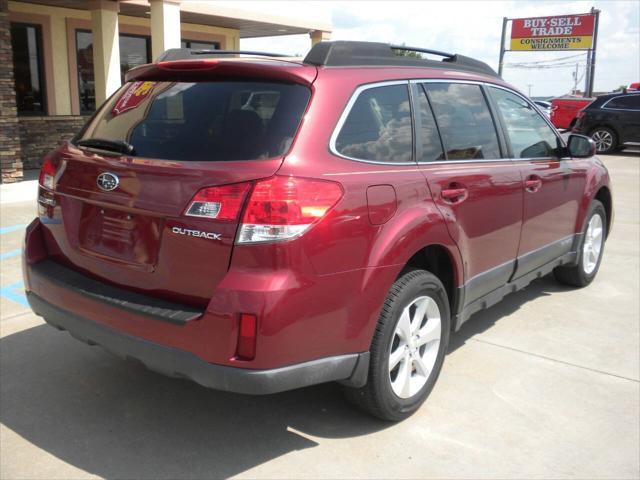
column 590, row 249
column 605, row 138
column 408, row 348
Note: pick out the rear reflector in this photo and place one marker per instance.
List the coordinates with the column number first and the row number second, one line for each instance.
column 281, row 208
column 246, row 349
column 220, row 203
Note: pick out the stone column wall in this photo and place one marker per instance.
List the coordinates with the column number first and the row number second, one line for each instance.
column 40, row 135
column 10, row 154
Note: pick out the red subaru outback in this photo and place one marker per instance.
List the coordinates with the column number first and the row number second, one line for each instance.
column 260, row 224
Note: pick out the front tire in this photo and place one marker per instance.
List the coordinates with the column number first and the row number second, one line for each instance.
column 408, row 348
column 590, row 250
column 605, row 138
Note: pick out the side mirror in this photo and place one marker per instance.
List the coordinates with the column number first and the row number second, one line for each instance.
column 581, row 146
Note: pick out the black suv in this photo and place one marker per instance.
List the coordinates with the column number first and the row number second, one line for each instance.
column 612, row 121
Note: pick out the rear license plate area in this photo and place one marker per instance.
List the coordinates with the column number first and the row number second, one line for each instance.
column 120, row 236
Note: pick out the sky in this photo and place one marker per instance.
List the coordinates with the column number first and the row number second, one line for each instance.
column 472, row 28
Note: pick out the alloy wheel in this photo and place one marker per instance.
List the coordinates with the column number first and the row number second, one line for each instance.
column 414, row 347
column 592, row 244
column 603, row 139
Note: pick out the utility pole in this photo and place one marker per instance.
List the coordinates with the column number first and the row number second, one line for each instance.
column 529, row 85
column 502, row 39
column 575, row 80
column 592, row 56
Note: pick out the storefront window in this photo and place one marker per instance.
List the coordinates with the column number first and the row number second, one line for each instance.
column 200, row 45
column 26, row 41
column 134, row 50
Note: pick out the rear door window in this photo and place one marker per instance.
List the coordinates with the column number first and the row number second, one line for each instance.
column 529, row 134
column 202, row 121
column 427, row 130
column 466, row 126
column 378, row 126
column 631, row 102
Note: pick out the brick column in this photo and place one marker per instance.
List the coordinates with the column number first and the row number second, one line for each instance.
column 10, row 163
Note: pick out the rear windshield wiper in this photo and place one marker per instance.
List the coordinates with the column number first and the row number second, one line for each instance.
column 117, row 146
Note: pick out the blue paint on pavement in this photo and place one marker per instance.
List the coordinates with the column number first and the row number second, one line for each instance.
column 12, row 228
column 15, row 293
column 10, row 254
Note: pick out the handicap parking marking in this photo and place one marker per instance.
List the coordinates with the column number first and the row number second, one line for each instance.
column 15, row 293
column 12, row 228
column 10, row 254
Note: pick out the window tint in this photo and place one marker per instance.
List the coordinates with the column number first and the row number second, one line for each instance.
column 378, row 126
column 205, row 121
column 26, row 43
column 428, row 134
column 631, row 102
column 464, row 120
column 529, row 134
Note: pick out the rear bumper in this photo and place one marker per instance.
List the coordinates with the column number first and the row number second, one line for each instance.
column 350, row 369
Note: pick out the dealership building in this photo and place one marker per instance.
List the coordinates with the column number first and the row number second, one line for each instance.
column 61, row 58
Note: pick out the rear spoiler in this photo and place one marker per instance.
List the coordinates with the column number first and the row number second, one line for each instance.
column 221, row 68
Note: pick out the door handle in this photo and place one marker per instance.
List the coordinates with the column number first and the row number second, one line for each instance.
column 454, row 195
column 533, row 183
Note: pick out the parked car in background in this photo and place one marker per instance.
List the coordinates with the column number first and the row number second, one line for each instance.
column 259, row 225
column 612, row 121
column 565, row 110
column 545, row 107
column 634, row 86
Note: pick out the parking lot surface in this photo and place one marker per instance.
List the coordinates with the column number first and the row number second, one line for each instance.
column 545, row 384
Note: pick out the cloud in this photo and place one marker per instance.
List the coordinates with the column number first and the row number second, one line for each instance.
column 473, row 28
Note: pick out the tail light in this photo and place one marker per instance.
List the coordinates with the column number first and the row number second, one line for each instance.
column 47, row 173
column 222, row 203
column 281, row 208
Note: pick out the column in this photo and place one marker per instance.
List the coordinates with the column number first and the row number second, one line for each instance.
column 318, row 36
column 106, row 48
column 165, row 26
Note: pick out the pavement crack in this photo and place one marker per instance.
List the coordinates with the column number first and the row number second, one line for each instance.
column 544, row 357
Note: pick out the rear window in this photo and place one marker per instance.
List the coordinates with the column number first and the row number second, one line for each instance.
column 378, row 127
column 203, row 121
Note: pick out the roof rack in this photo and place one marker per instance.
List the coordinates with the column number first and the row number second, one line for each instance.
column 352, row 54
column 190, row 54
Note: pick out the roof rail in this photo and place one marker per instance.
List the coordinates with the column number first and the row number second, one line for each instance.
column 352, row 54
column 190, row 54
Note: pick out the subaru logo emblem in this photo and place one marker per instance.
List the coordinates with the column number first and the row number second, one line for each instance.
column 107, row 181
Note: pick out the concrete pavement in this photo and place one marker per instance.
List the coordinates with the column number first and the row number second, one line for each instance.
column 545, row 384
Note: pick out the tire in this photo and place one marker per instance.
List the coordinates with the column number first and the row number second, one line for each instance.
column 605, row 138
column 586, row 269
column 396, row 394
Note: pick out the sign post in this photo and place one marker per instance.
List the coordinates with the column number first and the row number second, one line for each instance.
column 556, row 33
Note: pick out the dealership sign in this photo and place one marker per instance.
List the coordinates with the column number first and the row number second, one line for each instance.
column 563, row 32
column 132, row 97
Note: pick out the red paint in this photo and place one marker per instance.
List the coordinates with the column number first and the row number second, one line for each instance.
column 559, row 25
column 381, row 203
column 565, row 110
column 316, row 295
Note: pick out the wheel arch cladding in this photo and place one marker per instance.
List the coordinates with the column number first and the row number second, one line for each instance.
column 439, row 260
column 604, row 196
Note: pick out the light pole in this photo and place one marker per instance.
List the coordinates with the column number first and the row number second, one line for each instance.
column 529, row 85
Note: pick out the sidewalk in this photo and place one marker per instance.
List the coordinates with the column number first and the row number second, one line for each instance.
column 24, row 191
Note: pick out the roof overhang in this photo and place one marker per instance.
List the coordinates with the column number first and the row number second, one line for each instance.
column 250, row 23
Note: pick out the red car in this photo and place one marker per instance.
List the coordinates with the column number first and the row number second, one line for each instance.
column 260, row 224
column 564, row 111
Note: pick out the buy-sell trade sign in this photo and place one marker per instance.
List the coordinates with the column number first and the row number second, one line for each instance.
column 562, row 32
